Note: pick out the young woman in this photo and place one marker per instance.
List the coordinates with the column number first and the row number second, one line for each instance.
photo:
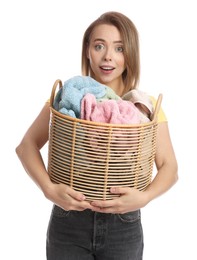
column 110, row 229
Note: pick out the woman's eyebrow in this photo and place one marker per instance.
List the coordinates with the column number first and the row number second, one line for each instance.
column 99, row 39
column 102, row 40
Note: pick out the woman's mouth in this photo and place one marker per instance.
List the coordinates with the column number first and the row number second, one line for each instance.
column 107, row 69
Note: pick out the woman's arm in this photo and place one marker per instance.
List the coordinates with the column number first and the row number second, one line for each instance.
column 29, row 154
column 131, row 199
column 28, row 150
column 166, row 163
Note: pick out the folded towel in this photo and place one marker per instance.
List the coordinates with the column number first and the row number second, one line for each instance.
column 109, row 111
column 68, row 98
column 142, row 101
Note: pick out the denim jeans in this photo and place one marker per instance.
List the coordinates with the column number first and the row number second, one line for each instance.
column 87, row 235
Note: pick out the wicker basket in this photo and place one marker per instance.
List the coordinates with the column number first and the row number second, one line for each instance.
column 91, row 157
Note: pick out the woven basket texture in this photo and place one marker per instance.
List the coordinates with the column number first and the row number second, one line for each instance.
column 91, row 157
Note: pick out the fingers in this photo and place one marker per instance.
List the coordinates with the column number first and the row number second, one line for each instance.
column 119, row 190
column 107, row 206
column 77, row 200
column 115, row 205
column 80, row 206
column 69, row 199
column 75, row 194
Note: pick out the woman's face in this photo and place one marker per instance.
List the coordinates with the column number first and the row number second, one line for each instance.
column 105, row 54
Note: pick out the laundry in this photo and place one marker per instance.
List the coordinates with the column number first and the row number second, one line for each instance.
column 110, row 94
column 104, row 105
column 142, row 101
column 68, row 98
column 109, row 111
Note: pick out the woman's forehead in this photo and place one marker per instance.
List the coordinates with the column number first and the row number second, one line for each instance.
column 106, row 32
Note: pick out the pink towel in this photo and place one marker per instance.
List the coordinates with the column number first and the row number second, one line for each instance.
column 109, row 111
column 114, row 112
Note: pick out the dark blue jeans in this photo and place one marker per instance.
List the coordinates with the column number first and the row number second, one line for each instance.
column 87, row 235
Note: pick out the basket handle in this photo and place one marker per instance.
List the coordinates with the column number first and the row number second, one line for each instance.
column 57, row 82
column 157, row 108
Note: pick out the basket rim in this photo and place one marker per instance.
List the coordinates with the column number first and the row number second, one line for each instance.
column 88, row 122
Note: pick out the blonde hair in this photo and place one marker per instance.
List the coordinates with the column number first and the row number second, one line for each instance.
column 130, row 40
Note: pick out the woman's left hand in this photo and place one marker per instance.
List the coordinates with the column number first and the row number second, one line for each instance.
column 130, row 199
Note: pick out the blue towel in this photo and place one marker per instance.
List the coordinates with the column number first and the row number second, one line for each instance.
column 68, row 98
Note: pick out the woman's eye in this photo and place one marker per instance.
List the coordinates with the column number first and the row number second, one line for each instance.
column 99, row 47
column 119, row 49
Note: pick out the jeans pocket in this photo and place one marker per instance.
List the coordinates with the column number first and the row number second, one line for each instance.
column 130, row 217
column 59, row 212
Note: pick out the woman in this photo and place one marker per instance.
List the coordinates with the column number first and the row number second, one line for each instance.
column 110, row 229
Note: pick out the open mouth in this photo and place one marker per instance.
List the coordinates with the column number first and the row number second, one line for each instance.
column 107, row 68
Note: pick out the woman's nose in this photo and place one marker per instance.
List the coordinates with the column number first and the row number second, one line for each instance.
column 107, row 56
column 107, row 59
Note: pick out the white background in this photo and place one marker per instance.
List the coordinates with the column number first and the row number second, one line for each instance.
column 40, row 42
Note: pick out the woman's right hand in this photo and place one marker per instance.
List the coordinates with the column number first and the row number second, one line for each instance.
column 66, row 198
